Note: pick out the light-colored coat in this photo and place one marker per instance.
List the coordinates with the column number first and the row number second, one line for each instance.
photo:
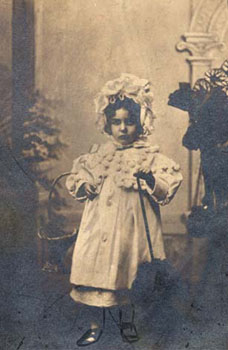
column 112, row 241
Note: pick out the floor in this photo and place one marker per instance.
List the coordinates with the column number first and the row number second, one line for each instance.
column 187, row 309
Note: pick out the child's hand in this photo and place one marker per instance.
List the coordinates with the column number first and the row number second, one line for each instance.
column 146, row 175
column 90, row 191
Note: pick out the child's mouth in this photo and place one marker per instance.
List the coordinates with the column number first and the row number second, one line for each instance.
column 123, row 137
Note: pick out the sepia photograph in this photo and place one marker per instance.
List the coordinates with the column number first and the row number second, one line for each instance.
column 114, row 174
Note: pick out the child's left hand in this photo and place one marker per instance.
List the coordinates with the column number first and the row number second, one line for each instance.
column 146, row 174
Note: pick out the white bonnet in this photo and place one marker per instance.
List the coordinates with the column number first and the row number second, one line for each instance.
column 127, row 85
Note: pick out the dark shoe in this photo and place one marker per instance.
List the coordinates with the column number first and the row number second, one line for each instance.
column 128, row 332
column 90, row 337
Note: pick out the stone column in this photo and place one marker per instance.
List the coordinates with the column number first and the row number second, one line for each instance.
column 200, row 47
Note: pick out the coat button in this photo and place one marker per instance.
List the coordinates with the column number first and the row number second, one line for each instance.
column 104, row 238
column 109, row 158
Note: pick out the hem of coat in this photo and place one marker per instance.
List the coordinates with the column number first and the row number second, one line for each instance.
column 99, row 285
column 78, row 281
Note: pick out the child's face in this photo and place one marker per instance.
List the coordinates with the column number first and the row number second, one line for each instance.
column 123, row 127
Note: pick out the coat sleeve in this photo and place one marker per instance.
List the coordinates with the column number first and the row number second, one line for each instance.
column 79, row 175
column 167, row 179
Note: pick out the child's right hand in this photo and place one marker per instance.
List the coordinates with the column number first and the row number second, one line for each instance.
column 89, row 190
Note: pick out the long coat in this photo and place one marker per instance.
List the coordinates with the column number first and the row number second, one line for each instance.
column 112, row 241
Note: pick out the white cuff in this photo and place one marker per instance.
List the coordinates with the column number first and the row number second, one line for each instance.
column 160, row 190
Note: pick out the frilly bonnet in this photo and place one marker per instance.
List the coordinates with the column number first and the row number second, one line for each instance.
column 127, row 85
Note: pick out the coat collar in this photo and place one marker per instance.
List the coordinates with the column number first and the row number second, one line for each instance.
column 140, row 143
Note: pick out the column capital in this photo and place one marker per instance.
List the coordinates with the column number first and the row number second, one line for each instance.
column 200, row 44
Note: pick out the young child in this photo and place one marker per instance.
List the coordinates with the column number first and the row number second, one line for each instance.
column 111, row 242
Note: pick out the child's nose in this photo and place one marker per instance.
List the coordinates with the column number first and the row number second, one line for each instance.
column 122, row 126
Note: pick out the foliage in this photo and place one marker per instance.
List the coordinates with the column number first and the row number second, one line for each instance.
column 42, row 145
column 41, row 140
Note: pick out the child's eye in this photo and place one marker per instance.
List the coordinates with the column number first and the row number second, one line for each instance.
column 129, row 122
column 115, row 121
